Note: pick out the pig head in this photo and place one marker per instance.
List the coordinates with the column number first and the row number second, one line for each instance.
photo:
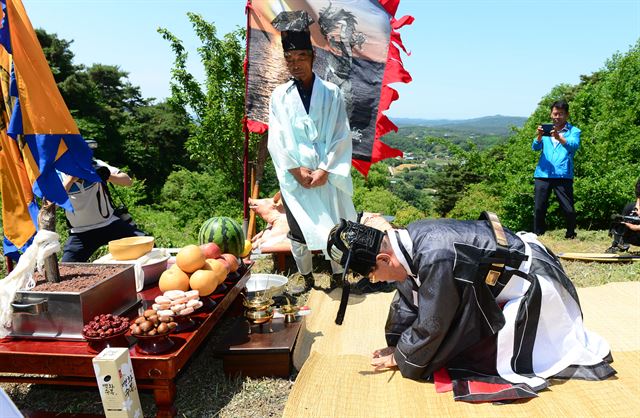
column 272, row 211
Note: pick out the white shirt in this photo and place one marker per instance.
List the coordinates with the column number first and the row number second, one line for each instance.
column 318, row 140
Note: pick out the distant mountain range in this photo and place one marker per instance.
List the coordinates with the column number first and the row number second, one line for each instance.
column 497, row 124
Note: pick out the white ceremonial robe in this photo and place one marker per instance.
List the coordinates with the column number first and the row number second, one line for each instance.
column 321, row 139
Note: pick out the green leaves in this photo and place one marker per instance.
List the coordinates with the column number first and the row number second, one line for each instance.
column 606, row 107
column 216, row 106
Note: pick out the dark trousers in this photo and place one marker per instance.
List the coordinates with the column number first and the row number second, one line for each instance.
column 623, row 236
column 563, row 188
column 295, row 233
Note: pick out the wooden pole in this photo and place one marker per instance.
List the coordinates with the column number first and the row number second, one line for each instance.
column 47, row 221
column 251, row 230
column 259, row 171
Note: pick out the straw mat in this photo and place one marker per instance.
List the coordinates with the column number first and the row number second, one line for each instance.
column 336, row 379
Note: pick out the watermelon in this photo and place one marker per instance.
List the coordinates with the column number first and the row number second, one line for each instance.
column 225, row 232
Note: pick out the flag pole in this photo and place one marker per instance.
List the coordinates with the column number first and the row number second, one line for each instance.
column 245, row 128
column 47, row 221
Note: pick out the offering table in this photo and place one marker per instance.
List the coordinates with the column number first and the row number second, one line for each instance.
column 69, row 362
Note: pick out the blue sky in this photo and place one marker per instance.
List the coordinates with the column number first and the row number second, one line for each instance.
column 468, row 58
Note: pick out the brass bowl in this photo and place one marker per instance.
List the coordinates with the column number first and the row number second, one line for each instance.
column 259, row 317
column 289, row 312
column 130, row 248
column 260, row 303
column 289, row 309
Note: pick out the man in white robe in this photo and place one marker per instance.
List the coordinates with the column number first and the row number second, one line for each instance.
column 310, row 146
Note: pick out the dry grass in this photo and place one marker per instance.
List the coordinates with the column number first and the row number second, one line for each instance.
column 204, row 391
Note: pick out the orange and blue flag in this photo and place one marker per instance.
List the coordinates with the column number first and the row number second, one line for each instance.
column 45, row 137
column 19, row 208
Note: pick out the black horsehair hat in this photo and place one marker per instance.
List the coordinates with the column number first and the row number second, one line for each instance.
column 354, row 246
column 363, row 242
column 294, row 30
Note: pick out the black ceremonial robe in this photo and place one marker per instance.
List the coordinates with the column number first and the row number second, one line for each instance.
column 517, row 333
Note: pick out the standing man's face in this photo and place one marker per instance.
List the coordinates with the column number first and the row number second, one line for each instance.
column 559, row 117
column 300, row 64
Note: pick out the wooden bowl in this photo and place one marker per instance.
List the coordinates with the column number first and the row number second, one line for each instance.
column 154, row 344
column 130, row 248
column 97, row 344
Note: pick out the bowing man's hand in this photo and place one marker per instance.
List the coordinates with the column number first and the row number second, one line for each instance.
column 319, row 178
column 383, row 358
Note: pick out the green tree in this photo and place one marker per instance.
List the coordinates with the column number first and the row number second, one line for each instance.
column 377, row 200
column 452, row 179
column 154, row 143
column 216, row 108
column 194, row 197
column 58, row 54
column 606, row 107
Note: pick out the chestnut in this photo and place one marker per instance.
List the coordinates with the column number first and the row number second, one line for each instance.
column 163, row 328
column 146, row 326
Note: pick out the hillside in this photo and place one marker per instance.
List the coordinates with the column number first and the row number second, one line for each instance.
column 484, row 132
column 486, row 125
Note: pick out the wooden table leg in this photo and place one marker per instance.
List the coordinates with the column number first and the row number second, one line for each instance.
column 165, row 396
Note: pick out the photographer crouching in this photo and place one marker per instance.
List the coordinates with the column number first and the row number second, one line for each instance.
column 94, row 221
column 626, row 226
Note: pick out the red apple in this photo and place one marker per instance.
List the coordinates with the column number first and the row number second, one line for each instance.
column 224, row 263
column 232, row 261
column 211, row 250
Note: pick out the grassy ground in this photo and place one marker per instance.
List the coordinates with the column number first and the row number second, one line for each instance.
column 203, row 390
column 584, row 274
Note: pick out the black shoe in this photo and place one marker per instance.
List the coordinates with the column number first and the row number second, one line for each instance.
column 309, row 281
column 611, row 250
column 365, row 286
column 571, row 235
column 615, row 249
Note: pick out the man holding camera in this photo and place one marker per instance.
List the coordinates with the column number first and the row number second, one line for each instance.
column 626, row 233
column 558, row 142
column 93, row 222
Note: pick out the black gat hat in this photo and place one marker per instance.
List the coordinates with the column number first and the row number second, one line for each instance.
column 354, row 246
column 294, row 30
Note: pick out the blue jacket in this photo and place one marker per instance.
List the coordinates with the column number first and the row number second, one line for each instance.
column 557, row 161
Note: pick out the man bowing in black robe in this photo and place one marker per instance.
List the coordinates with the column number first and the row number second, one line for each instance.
column 493, row 309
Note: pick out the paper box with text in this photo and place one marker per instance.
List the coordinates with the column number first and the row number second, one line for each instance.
column 117, row 383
